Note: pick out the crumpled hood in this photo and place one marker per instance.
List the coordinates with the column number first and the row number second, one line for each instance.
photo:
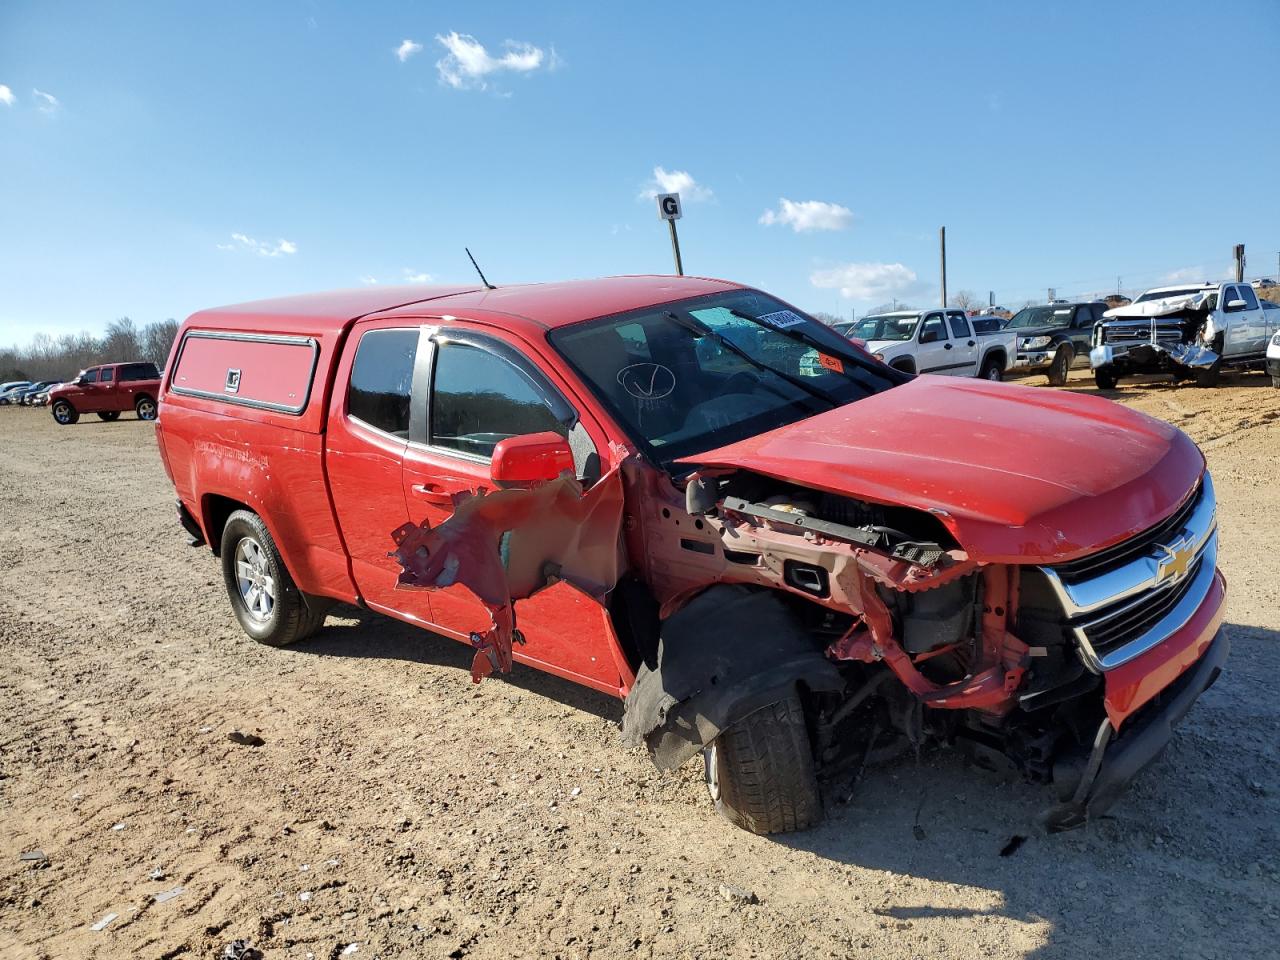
column 1158, row 308
column 1018, row 474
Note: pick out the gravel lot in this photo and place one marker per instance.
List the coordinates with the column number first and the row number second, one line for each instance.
column 397, row 807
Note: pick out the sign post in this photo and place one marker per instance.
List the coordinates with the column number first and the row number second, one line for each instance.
column 669, row 210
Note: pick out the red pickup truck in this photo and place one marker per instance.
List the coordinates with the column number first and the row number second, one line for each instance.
column 108, row 390
column 783, row 554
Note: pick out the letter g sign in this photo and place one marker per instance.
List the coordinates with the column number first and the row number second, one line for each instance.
column 669, row 206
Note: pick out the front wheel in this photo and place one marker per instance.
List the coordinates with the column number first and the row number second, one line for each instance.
column 270, row 608
column 760, row 771
column 110, row 416
column 64, row 413
column 1105, row 381
column 1061, row 366
column 992, row 369
column 145, row 408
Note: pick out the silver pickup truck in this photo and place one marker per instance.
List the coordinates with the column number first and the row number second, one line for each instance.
column 1189, row 331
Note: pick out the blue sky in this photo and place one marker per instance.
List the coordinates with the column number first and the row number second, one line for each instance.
column 182, row 155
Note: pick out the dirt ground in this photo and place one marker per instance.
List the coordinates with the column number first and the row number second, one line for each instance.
column 395, row 810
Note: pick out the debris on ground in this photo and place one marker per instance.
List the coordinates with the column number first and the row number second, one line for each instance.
column 167, row 895
column 245, row 739
column 737, row 894
column 104, row 922
column 156, row 874
column 240, row 950
column 34, row 856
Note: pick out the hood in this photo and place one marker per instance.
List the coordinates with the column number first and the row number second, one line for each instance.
column 1159, row 308
column 1023, row 332
column 1018, row 474
column 874, row 345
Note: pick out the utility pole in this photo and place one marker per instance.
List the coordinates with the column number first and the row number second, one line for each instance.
column 942, row 242
column 1239, row 253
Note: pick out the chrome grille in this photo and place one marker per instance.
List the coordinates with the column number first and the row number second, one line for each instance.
column 1141, row 333
column 1121, row 602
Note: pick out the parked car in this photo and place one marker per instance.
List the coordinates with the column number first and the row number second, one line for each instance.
column 24, row 395
column 919, row 341
column 11, row 389
column 41, row 399
column 775, row 569
column 108, row 390
column 1190, row 332
column 1052, row 337
column 988, row 323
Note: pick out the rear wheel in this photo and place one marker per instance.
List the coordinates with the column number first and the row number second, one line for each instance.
column 760, row 771
column 270, row 608
column 64, row 413
column 110, row 416
column 992, row 369
column 1105, row 381
column 145, row 408
column 1061, row 366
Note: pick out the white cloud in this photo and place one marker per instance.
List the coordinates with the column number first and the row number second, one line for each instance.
column 242, row 242
column 411, row 276
column 47, row 102
column 803, row 215
column 467, row 63
column 868, row 281
column 6, row 96
column 675, row 181
column 407, row 49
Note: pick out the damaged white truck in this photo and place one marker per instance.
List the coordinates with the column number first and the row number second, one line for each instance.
column 1187, row 332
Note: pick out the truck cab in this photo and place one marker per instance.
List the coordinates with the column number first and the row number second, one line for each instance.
column 107, row 390
column 935, row 341
column 1052, row 337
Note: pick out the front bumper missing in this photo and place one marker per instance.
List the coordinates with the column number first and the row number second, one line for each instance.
column 1153, row 356
column 1116, row 760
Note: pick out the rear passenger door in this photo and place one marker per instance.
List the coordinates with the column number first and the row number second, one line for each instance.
column 483, row 389
column 367, row 434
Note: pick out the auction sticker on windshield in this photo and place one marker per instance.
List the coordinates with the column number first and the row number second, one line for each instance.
column 782, row 319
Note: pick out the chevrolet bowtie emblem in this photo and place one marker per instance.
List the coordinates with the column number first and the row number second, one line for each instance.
column 1176, row 563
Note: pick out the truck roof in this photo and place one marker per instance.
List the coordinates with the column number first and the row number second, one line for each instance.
column 542, row 304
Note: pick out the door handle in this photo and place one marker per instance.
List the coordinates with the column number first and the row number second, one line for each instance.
column 946, row 346
column 432, row 494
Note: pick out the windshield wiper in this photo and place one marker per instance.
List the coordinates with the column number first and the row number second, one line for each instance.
column 702, row 330
column 799, row 336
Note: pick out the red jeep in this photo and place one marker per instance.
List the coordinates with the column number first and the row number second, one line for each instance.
column 683, row 492
column 108, row 391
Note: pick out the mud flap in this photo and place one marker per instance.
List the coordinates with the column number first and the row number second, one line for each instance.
column 728, row 652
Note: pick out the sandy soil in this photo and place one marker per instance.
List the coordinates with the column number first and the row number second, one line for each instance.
column 396, row 807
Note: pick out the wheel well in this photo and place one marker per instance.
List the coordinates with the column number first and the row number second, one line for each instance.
column 906, row 365
column 143, row 396
column 996, row 353
column 214, row 510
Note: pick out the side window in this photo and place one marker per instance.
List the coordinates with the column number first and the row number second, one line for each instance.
column 106, row 374
column 959, row 326
column 479, row 398
column 382, row 380
column 139, row 371
column 90, row 376
column 1228, row 294
column 1246, row 294
column 932, row 325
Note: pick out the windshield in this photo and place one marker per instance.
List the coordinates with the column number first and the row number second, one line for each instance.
column 1036, row 317
column 1163, row 294
column 900, row 327
column 699, row 373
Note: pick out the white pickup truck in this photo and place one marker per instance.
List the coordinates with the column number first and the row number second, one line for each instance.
column 1188, row 331
column 923, row 341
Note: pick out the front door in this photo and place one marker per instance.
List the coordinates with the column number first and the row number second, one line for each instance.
column 93, row 393
column 367, row 436
column 483, row 390
column 933, row 346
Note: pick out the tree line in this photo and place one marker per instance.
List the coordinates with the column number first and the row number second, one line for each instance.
column 61, row 358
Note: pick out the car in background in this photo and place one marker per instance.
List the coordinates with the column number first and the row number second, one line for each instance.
column 1273, row 360
column 922, row 341
column 988, row 323
column 41, row 398
column 108, row 390
column 23, row 396
column 1053, row 336
column 11, row 389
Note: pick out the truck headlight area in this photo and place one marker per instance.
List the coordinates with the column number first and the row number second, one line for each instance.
column 1035, row 343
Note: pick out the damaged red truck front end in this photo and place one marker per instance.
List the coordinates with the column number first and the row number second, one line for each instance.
column 781, row 553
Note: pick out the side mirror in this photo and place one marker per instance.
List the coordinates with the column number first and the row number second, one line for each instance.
column 930, row 336
column 530, row 458
column 1234, row 305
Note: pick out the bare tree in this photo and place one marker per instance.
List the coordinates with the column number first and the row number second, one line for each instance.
column 157, row 341
column 49, row 358
column 888, row 308
column 827, row 318
column 966, row 300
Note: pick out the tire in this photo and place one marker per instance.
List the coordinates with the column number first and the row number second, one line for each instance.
column 110, row 416
column 760, row 771
column 1061, row 367
column 1275, row 382
column 992, row 369
column 145, row 408
column 285, row 614
column 64, row 413
column 1105, row 381
column 1208, row 376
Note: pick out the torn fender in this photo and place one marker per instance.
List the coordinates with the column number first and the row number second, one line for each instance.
column 506, row 545
column 728, row 652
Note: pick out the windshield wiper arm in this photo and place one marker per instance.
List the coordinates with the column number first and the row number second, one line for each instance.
column 702, row 330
